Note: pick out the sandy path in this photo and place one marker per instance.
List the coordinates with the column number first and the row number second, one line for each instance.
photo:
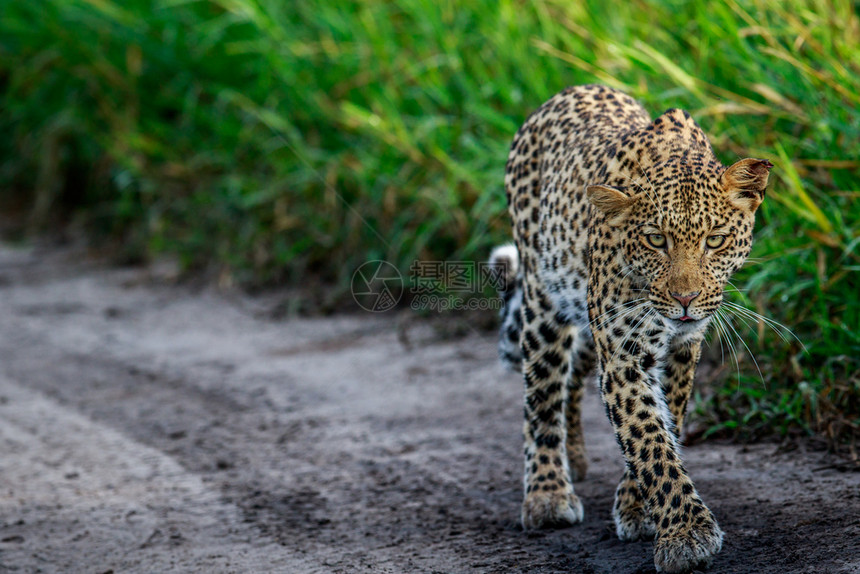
column 150, row 428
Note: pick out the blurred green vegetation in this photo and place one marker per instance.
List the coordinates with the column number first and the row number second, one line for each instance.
column 279, row 139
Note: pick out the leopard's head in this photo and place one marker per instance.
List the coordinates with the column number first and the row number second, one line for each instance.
column 685, row 230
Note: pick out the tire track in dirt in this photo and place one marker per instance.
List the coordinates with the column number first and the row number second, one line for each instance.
column 79, row 496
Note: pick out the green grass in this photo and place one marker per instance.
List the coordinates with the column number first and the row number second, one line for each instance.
column 272, row 140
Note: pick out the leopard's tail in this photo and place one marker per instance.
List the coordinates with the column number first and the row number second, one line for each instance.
column 511, row 292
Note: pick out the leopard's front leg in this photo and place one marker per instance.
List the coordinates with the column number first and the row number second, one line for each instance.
column 630, row 511
column 687, row 532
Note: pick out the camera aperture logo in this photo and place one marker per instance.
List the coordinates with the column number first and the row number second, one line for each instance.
column 377, row 286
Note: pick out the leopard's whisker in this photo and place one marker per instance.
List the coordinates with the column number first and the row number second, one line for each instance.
column 619, row 307
column 621, row 315
column 613, row 308
column 740, row 316
column 729, row 343
column 630, row 332
column 629, row 271
column 722, row 351
column 647, row 179
column 636, row 183
column 752, row 355
column 720, row 323
column 744, row 314
column 740, row 312
column 755, row 317
column 774, row 325
column 626, row 275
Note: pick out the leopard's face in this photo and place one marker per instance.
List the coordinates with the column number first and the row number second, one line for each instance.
column 684, row 234
column 687, row 256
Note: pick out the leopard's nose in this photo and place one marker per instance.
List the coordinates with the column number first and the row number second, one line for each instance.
column 684, row 299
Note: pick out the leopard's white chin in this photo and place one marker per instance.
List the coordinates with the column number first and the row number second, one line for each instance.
column 683, row 331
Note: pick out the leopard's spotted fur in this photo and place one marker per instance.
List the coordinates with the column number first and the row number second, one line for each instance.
column 615, row 220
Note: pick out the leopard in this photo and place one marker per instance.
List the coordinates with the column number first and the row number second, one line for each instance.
column 626, row 231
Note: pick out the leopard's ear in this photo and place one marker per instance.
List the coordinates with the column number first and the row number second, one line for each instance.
column 746, row 181
column 610, row 200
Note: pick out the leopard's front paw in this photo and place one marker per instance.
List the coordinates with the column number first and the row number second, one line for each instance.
column 542, row 509
column 633, row 523
column 688, row 549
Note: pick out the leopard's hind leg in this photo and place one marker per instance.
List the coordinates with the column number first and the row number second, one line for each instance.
column 547, row 342
column 583, row 362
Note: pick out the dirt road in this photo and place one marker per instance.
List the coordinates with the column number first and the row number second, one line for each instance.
column 153, row 428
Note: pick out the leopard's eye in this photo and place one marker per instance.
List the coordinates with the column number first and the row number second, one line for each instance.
column 656, row 240
column 715, row 241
